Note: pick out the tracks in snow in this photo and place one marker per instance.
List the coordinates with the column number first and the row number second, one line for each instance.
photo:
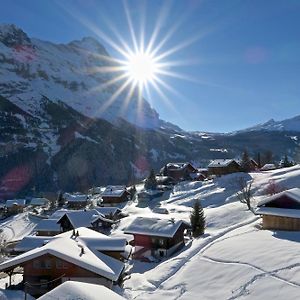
column 183, row 260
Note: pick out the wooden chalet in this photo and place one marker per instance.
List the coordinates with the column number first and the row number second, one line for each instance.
column 91, row 219
column 48, row 227
column 220, row 167
column 39, row 202
column 15, row 206
column 76, row 201
column 87, row 256
column 281, row 211
column 114, row 194
column 178, row 171
column 155, row 237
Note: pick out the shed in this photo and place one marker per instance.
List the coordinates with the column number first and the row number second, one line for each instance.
column 281, row 211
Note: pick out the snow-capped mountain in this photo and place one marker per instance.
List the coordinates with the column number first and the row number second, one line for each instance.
column 73, row 73
column 292, row 124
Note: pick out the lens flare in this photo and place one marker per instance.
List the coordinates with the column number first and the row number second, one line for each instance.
column 141, row 68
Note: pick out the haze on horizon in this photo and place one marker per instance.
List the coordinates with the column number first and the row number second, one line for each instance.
column 237, row 62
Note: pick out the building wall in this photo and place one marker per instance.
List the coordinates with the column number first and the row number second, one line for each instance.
column 231, row 168
column 108, row 200
column 281, row 223
column 54, row 268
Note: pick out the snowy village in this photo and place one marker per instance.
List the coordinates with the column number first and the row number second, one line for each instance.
column 149, row 150
column 157, row 236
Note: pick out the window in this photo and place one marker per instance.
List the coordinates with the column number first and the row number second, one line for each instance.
column 36, row 264
column 42, row 264
column 161, row 242
column 60, row 264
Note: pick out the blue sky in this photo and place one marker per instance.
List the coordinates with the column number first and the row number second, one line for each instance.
column 242, row 62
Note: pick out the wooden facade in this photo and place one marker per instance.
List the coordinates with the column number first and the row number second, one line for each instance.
column 280, row 223
column 159, row 245
column 46, row 272
column 179, row 172
column 112, row 200
column 232, row 167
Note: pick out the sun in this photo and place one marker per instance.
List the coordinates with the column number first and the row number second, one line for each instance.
column 141, row 68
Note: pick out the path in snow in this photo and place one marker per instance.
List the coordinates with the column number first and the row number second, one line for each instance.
column 184, row 258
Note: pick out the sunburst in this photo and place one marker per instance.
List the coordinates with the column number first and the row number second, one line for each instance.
column 142, row 65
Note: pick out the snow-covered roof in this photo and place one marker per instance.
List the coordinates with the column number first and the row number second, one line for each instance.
column 48, row 225
column 31, row 242
column 20, row 202
column 177, row 166
column 114, row 191
column 154, row 227
column 291, row 193
column 108, row 210
column 59, row 213
column 196, row 175
column 281, row 212
column 267, row 167
column 75, row 198
column 69, row 248
column 221, row 163
column 84, row 218
column 39, row 201
column 81, row 290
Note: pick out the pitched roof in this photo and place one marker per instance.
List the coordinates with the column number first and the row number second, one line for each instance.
column 84, row 218
column 69, row 248
column 154, row 227
column 221, row 163
column 178, row 166
column 31, row 242
column 267, row 167
column 10, row 203
column 114, row 191
column 75, row 198
column 39, row 201
column 281, row 212
column 48, row 225
column 108, row 210
column 81, row 290
column 291, row 193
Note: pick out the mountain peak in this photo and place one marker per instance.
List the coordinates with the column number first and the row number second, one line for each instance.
column 11, row 36
column 90, row 44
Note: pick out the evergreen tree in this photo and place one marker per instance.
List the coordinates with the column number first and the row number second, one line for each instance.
column 258, row 160
column 60, row 199
column 245, row 162
column 151, row 182
column 286, row 162
column 165, row 171
column 197, row 218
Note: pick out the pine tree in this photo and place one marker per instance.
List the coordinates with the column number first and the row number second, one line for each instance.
column 151, row 182
column 258, row 159
column 197, row 218
column 245, row 163
column 286, row 162
column 60, row 199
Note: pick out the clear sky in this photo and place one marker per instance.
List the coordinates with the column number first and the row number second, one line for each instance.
column 239, row 59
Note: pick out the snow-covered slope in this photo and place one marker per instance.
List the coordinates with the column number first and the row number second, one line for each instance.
column 235, row 259
column 73, row 73
column 292, row 124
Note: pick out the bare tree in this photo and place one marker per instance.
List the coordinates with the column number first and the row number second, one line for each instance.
column 273, row 188
column 245, row 193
